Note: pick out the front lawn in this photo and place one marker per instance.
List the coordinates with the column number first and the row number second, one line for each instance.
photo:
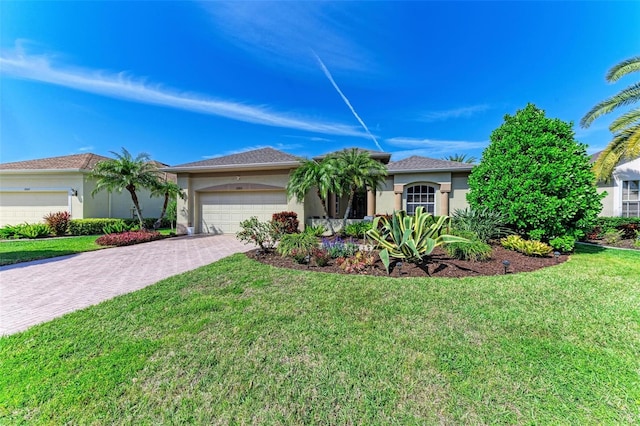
column 15, row 251
column 239, row 342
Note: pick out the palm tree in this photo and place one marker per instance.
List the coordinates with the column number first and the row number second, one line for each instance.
column 356, row 170
column 168, row 190
column 626, row 128
column 313, row 174
column 461, row 158
column 126, row 172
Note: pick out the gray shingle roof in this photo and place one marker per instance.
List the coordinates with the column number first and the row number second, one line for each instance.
column 73, row 162
column 256, row 156
column 378, row 155
column 417, row 162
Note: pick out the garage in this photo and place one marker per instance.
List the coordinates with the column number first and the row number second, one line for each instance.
column 31, row 207
column 222, row 212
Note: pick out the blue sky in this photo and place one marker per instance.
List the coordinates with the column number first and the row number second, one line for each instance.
column 185, row 81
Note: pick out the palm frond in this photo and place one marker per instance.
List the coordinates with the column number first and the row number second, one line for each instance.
column 627, row 96
column 624, row 145
column 629, row 119
column 623, row 68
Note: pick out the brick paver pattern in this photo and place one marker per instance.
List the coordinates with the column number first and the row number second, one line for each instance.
column 34, row 292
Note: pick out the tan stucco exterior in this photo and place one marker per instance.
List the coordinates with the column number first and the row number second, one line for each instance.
column 26, row 196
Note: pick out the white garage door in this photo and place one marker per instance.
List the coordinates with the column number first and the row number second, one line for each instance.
column 222, row 212
column 31, row 207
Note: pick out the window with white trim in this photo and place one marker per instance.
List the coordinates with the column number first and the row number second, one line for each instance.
column 631, row 198
column 421, row 195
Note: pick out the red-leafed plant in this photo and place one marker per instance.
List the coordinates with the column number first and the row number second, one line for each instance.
column 286, row 222
column 59, row 222
column 128, row 238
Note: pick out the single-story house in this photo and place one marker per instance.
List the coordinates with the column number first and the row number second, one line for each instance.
column 223, row 191
column 623, row 190
column 32, row 189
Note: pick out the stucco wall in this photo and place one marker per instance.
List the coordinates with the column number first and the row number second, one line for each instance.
column 384, row 199
column 195, row 184
column 459, row 191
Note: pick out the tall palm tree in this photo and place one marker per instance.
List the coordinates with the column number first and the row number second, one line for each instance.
column 356, row 170
column 168, row 190
column 313, row 174
column 126, row 172
column 460, row 158
column 626, row 128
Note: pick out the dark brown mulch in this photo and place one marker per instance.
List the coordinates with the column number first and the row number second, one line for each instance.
column 438, row 265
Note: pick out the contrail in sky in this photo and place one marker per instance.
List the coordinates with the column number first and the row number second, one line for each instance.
column 346, row 101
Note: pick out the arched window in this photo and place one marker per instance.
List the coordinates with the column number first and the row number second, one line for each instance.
column 421, row 195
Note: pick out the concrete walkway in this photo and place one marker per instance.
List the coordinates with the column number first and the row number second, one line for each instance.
column 34, row 292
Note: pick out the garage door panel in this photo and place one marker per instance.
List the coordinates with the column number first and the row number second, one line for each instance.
column 221, row 213
column 31, row 207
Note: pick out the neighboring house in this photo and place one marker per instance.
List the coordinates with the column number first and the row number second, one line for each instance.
column 623, row 191
column 32, row 189
column 223, row 191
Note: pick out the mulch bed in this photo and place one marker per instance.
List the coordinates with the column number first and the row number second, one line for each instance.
column 438, row 265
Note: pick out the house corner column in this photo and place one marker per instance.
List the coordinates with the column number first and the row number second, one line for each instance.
column 398, row 189
column 445, row 189
column 371, row 202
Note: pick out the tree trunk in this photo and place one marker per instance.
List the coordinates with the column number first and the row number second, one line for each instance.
column 352, row 194
column 158, row 222
column 326, row 213
column 136, row 204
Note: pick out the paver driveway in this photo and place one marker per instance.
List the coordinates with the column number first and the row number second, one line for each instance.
column 34, row 292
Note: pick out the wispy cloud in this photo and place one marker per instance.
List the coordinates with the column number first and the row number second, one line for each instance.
column 126, row 87
column 283, row 32
column 442, row 115
column 432, row 147
column 346, row 101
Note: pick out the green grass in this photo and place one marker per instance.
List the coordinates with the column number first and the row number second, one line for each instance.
column 15, row 251
column 238, row 342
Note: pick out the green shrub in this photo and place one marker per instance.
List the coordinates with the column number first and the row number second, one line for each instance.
column 89, row 226
column 115, row 227
column 263, row 234
column 35, row 230
column 10, row 231
column 628, row 225
column 474, row 251
column 58, row 222
column 316, row 230
column 286, row 222
column 301, row 243
column 357, row 229
column 409, row 237
column 537, row 175
column 526, row 247
column 564, row 244
column 536, row 234
column 612, row 236
column 486, row 224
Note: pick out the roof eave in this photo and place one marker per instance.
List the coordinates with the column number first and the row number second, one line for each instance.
column 232, row 167
column 27, row 171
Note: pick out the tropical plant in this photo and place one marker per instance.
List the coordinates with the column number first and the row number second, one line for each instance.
column 485, row 223
column 473, row 251
column 626, row 128
column 313, row 174
column 526, row 247
column 537, row 176
column 357, row 229
column 126, row 172
column 460, row 158
column 301, row 242
column 612, row 236
column 170, row 191
column 320, row 256
column 357, row 263
column 116, row 227
column 287, row 222
column 263, row 234
column 58, row 222
column 356, row 170
column 411, row 238
column 172, row 213
column 35, row 230
column 315, row 230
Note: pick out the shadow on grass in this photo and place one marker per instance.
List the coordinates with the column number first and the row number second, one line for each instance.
column 17, row 259
column 588, row 248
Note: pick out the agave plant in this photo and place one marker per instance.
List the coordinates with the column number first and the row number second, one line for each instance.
column 410, row 238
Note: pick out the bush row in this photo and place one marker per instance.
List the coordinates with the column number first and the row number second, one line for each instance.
column 628, row 226
column 128, row 238
column 96, row 226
